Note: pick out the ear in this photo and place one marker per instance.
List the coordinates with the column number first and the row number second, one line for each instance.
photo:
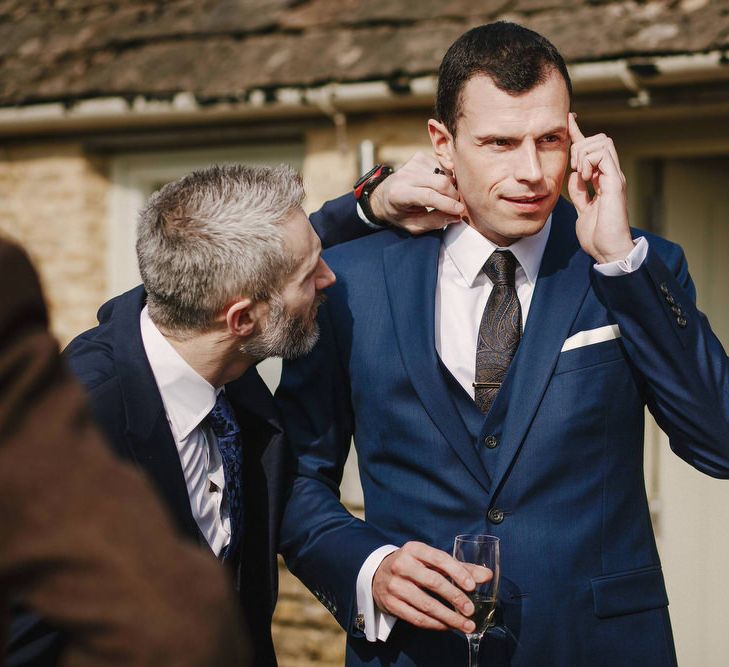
column 245, row 317
column 443, row 144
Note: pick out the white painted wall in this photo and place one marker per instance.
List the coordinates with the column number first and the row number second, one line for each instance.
column 693, row 530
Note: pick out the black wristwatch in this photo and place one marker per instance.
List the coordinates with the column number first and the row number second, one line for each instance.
column 363, row 189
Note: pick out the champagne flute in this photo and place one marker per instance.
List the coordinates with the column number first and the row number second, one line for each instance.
column 482, row 550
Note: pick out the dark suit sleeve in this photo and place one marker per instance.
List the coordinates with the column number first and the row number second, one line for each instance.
column 83, row 541
column 323, row 544
column 337, row 221
column 681, row 361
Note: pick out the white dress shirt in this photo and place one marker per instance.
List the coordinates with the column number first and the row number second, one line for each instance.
column 187, row 399
column 463, row 290
column 461, row 294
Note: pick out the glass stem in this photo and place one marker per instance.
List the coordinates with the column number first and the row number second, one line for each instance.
column 474, row 642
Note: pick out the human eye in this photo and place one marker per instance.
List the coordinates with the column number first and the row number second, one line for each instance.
column 497, row 142
column 551, row 139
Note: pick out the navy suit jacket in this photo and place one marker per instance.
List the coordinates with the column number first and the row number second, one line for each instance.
column 110, row 362
column 561, row 484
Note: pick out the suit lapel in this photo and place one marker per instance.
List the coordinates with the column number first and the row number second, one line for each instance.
column 564, row 277
column 264, row 476
column 147, row 428
column 411, row 272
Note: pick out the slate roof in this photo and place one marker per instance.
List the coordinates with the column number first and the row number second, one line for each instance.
column 218, row 50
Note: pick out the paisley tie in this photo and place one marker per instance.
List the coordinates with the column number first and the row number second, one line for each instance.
column 223, row 423
column 500, row 330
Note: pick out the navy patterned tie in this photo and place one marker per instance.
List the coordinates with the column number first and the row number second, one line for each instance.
column 500, row 330
column 223, row 423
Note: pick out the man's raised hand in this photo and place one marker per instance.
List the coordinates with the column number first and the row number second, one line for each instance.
column 405, row 198
column 602, row 223
column 403, row 584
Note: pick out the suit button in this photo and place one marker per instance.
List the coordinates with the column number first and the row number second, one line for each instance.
column 495, row 515
column 676, row 311
column 664, row 288
column 670, row 299
column 682, row 322
column 490, row 441
column 359, row 622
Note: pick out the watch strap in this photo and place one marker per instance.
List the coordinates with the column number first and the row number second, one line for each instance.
column 364, row 187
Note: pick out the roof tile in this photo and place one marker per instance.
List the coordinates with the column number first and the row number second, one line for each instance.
column 53, row 50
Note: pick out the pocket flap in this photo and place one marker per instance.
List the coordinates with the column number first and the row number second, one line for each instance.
column 589, row 355
column 629, row 592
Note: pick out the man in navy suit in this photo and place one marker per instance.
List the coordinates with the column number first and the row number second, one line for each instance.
column 494, row 376
column 232, row 274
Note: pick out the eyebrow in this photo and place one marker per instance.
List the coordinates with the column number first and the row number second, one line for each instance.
column 562, row 129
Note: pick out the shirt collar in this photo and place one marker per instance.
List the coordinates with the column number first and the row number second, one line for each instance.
column 469, row 250
column 186, row 395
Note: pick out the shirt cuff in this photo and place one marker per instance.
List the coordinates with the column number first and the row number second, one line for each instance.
column 377, row 624
column 366, row 220
column 631, row 263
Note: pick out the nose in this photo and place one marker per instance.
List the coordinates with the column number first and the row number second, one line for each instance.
column 324, row 276
column 529, row 164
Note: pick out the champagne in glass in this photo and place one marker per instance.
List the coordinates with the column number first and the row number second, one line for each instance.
column 483, row 616
column 481, row 550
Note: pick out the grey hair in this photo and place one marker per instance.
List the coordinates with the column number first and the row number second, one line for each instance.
column 214, row 236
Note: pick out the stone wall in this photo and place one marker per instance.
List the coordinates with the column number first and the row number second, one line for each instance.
column 304, row 632
column 54, row 202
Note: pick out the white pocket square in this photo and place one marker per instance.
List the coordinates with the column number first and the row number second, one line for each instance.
column 591, row 336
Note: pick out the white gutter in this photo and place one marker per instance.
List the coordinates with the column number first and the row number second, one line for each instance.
column 638, row 76
column 601, row 77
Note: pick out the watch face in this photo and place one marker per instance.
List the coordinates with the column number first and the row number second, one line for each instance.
column 363, row 179
column 371, row 180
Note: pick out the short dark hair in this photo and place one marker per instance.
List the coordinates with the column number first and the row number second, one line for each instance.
column 515, row 58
